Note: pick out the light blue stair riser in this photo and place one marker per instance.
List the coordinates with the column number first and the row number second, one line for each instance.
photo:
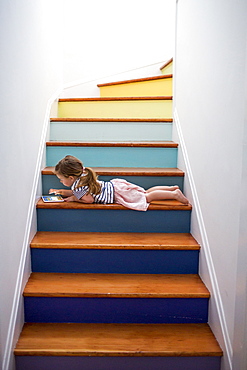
column 119, row 363
column 116, row 310
column 107, row 220
column 52, row 182
column 111, row 131
column 115, row 261
column 115, row 156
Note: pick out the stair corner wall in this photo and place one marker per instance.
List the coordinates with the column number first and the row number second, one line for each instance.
column 198, row 230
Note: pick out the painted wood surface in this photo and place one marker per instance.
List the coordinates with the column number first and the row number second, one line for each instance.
column 116, row 310
column 99, row 130
column 96, row 156
column 114, row 339
column 113, row 219
column 129, row 171
column 162, row 205
column 112, row 240
column 117, row 362
column 124, row 261
column 139, row 107
column 115, row 285
column 153, row 86
column 167, row 67
column 115, row 298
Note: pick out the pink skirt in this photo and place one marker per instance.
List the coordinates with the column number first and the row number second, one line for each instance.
column 129, row 195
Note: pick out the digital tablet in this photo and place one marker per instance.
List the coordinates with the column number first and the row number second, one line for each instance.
column 52, row 198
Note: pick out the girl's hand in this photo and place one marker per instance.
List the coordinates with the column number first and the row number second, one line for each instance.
column 55, row 191
column 70, row 199
column 63, row 192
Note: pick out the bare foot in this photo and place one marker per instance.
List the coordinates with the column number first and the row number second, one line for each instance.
column 180, row 197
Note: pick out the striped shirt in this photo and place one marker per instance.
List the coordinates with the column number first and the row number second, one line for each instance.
column 105, row 196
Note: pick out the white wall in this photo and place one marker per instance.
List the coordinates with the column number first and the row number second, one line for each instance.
column 240, row 330
column 85, row 88
column 30, row 73
column 102, row 38
column 210, row 88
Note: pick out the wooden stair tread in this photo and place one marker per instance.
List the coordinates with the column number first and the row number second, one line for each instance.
column 162, row 205
column 115, row 285
column 104, row 240
column 128, row 171
column 154, row 78
column 69, row 100
column 166, row 64
column 68, row 339
column 145, row 144
column 67, row 119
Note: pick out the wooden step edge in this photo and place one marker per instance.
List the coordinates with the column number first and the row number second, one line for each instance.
column 151, row 120
column 114, row 295
column 154, row 78
column 144, row 144
column 35, row 245
column 125, row 98
column 69, row 339
column 128, row 171
column 117, row 353
column 166, row 64
column 93, row 285
column 51, row 245
column 113, row 240
column 166, row 205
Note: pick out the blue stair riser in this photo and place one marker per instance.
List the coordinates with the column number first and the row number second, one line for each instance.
column 115, row 156
column 51, row 181
column 116, row 310
column 108, row 220
column 110, row 131
column 120, row 261
column 119, row 363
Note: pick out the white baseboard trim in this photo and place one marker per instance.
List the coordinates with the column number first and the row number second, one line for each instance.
column 16, row 317
column 223, row 337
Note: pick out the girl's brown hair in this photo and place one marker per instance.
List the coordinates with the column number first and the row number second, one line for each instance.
column 72, row 166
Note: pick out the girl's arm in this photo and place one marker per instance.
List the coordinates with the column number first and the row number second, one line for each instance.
column 70, row 197
column 63, row 192
column 85, row 199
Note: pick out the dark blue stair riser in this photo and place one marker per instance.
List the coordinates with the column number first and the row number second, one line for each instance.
column 107, row 220
column 117, row 363
column 115, row 156
column 116, row 310
column 115, row 261
column 51, row 181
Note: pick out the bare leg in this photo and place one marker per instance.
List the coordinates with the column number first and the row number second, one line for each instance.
column 166, row 194
column 168, row 188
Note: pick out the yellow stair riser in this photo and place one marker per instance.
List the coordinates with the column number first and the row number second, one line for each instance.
column 168, row 69
column 116, row 109
column 162, row 87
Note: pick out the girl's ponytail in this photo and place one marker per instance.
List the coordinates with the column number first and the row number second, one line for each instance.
column 89, row 178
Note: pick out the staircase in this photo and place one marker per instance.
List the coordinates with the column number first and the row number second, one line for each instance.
column 113, row 288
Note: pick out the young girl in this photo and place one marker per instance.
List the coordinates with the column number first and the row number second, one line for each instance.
column 86, row 188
